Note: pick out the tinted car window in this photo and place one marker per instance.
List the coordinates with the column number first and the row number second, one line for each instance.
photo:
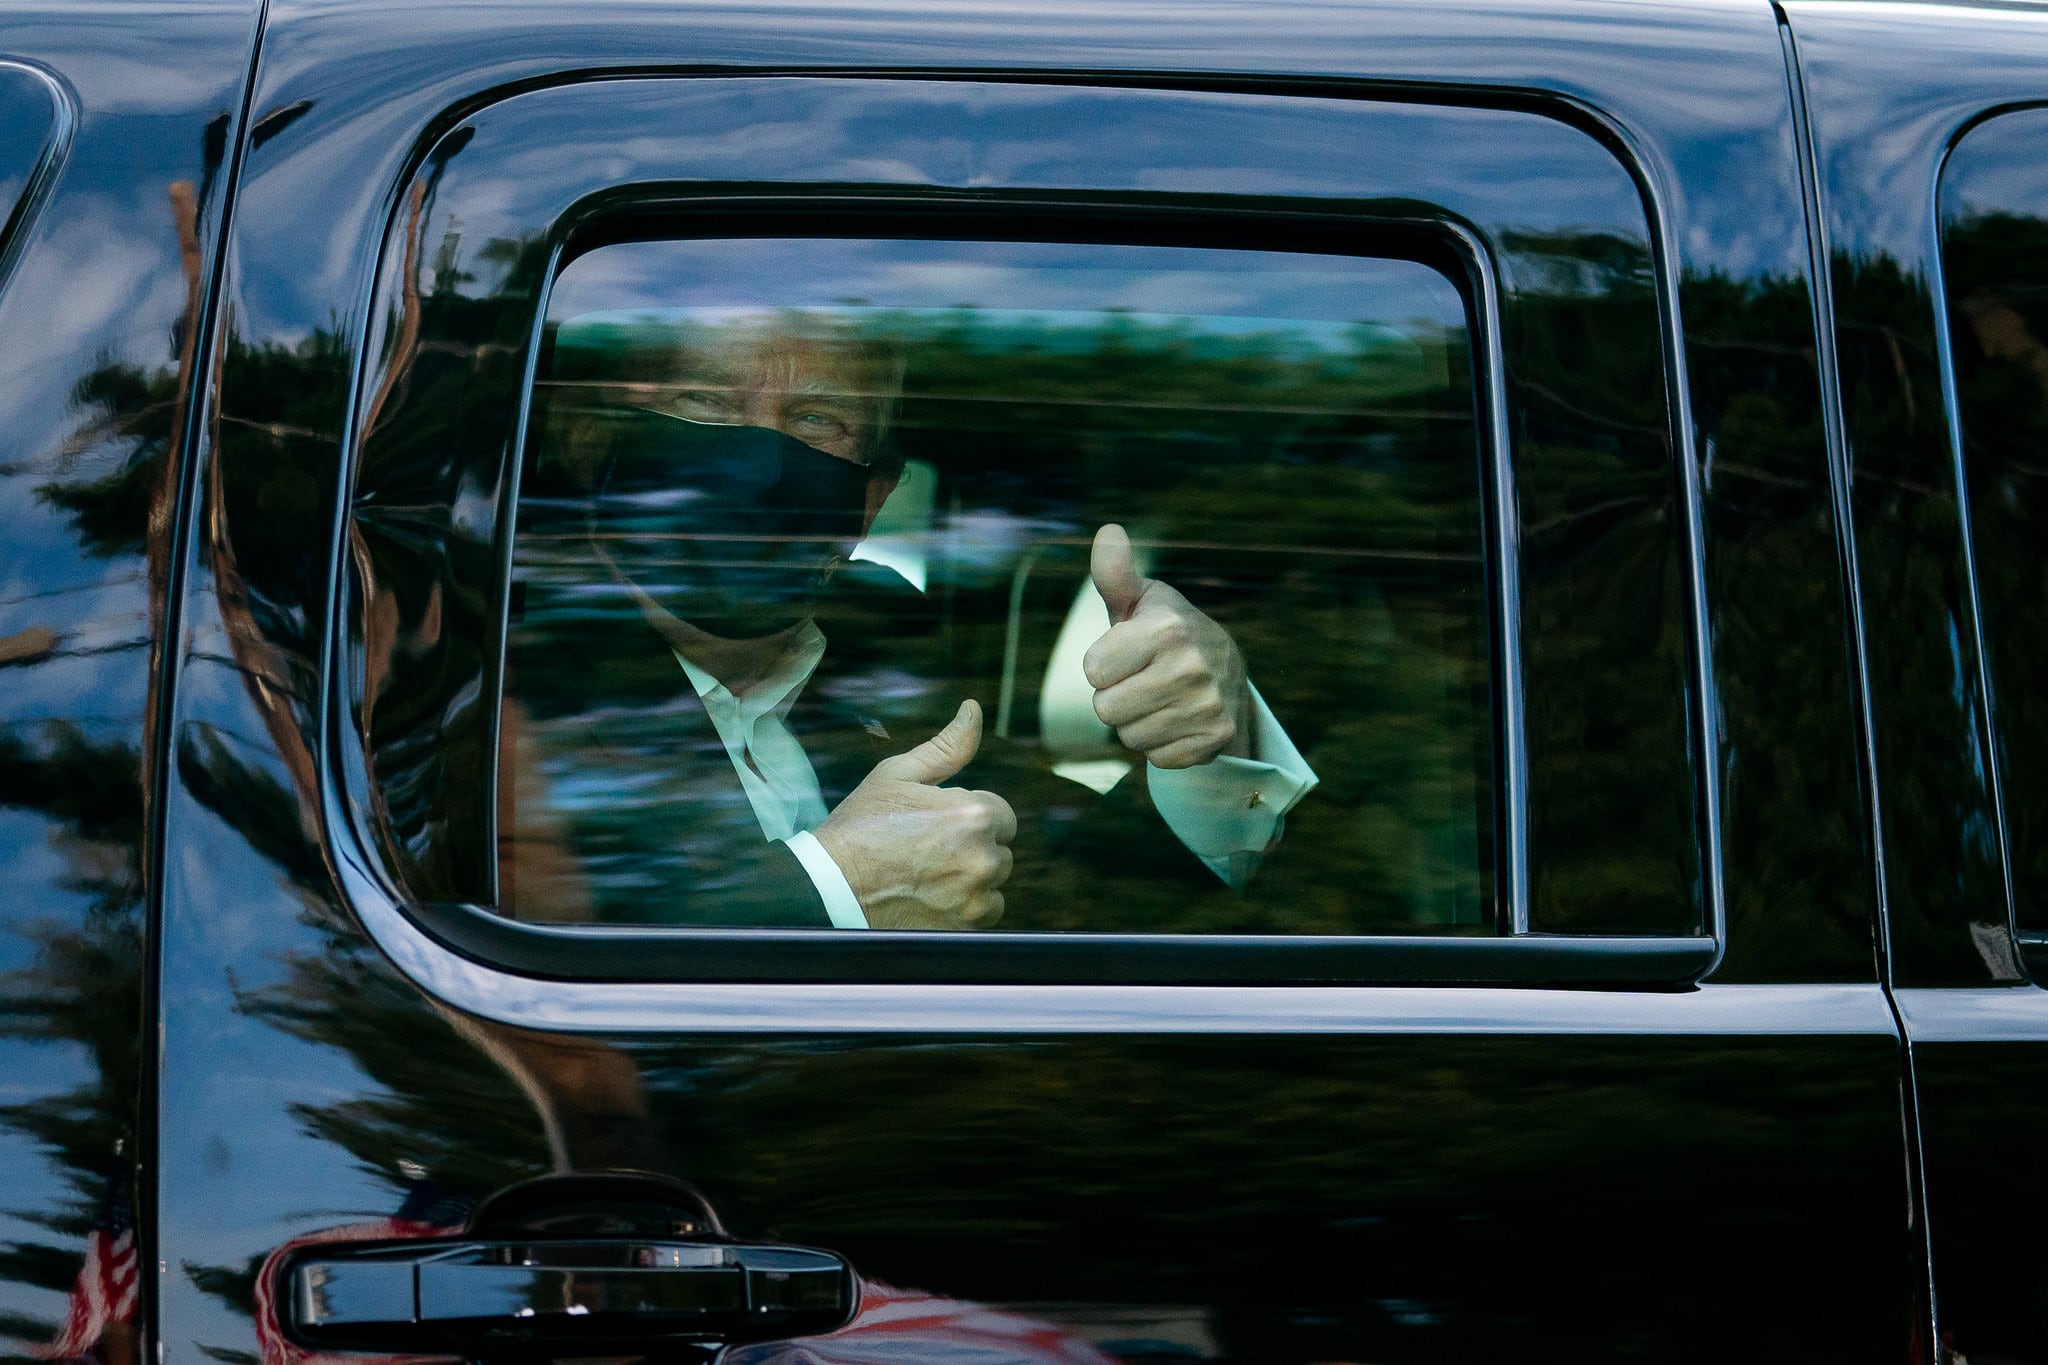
column 1994, row 223
column 703, row 659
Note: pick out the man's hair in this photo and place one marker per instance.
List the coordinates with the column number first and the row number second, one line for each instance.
column 644, row 362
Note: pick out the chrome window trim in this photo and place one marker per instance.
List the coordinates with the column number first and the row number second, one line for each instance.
column 1974, row 1014
column 670, row 1007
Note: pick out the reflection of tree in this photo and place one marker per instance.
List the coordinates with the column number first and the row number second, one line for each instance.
column 84, row 985
column 1941, row 861
column 1997, row 278
column 1799, row 890
column 1294, row 1181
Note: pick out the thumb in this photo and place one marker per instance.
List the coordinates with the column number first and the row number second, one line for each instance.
column 1115, row 572
column 944, row 754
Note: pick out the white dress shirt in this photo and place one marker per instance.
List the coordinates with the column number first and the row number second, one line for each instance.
column 1229, row 811
column 773, row 768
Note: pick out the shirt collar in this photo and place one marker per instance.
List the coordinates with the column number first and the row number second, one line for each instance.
column 776, row 690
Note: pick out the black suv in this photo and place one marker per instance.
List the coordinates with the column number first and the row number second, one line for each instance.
column 864, row 683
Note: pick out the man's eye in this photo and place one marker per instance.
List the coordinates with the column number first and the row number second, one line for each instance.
column 709, row 405
column 820, row 424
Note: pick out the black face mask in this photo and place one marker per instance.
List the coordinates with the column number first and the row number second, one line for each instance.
column 734, row 529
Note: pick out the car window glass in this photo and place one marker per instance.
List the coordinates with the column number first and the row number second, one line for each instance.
column 788, row 503
column 1994, row 224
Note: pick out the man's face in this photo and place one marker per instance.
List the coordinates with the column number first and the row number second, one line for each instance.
column 827, row 395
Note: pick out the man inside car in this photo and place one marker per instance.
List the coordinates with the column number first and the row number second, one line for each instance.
column 714, row 509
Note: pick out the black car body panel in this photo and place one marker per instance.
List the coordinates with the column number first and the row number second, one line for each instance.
column 1972, row 1019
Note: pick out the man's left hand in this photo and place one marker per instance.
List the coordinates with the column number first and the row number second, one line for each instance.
column 1167, row 679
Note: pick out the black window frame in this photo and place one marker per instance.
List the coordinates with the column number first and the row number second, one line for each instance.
column 2026, row 917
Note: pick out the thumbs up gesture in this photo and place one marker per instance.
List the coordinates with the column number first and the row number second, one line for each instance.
column 1167, row 679
column 919, row 855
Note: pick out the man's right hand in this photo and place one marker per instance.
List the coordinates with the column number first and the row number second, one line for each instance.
column 918, row 855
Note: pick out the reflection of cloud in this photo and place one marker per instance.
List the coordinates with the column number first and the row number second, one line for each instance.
column 1227, row 290
column 86, row 281
column 1884, row 124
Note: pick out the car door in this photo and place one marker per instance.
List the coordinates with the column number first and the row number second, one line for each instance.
column 1457, row 367
column 1934, row 297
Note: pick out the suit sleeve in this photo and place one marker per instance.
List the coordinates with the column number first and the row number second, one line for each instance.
column 783, row 895
column 842, row 906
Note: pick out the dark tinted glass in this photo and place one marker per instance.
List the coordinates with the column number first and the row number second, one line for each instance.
column 1994, row 217
column 697, row 672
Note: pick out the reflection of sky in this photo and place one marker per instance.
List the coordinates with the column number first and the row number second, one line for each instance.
column 241, row 1170
column 1506, row 171
column 1644, row 64
column 1883, row 123
column 1074, row 329
column 1997, row 168
column 1009, row 282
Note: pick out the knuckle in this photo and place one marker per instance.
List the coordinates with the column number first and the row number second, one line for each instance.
column 1097, row 665
column 1115, row 711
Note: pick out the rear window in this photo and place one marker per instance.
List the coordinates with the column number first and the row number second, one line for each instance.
column 1994, row 255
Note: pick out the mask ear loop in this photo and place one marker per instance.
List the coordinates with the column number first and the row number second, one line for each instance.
column 665, row 622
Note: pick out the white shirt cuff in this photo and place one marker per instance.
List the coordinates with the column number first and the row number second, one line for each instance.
column 841, row 905
column 1229, row 807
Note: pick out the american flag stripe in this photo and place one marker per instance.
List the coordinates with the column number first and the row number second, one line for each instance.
column 105, row 1289
column 269, row 1328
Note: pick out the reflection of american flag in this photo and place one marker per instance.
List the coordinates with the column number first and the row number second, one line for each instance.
column 428, row 1211
column 104, row 1291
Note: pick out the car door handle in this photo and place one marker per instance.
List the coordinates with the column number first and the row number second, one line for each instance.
column 486, row 1297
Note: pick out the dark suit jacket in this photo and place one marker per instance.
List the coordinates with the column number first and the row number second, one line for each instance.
column 621, row 770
